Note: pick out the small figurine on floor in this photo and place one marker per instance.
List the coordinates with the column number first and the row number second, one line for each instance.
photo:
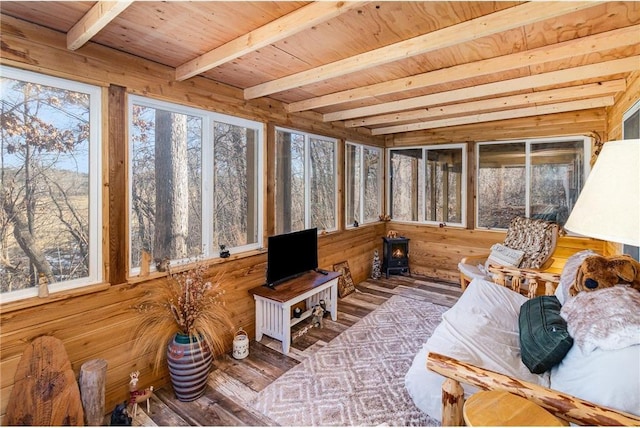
column 138, row 396
column 318, row 314
column 376, row 271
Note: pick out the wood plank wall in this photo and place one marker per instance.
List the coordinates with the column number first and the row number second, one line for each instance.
column 96, row 322
column 435, row 251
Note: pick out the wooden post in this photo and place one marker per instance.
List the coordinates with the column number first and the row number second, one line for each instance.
column 145, row 262
column 92, row 390
column 452, row 402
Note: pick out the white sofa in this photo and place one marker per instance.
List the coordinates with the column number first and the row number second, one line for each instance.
column 482, row 329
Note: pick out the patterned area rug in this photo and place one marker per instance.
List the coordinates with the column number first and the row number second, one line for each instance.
column 358, row 377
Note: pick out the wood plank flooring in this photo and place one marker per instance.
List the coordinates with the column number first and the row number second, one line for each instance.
column 236, row 382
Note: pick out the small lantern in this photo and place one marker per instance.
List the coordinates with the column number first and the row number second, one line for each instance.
column 240, row 344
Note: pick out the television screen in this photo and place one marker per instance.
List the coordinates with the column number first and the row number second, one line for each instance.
column 291, row 254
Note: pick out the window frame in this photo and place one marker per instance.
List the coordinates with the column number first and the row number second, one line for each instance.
column 96, row 270
column 421, row 177
column 634, row 109
column 361, row 148
column 209, row 119
column 307, row 171
column 587, row 145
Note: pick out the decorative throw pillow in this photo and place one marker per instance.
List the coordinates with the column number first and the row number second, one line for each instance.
column 537, row 238
column 608, row 319
column 503, row 255
column 544, row 338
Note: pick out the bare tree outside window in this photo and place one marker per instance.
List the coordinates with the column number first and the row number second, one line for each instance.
column 235, row 221
column 556, row 176
column 372, row 198
column 195, row 182
column 353, row 187
column 322, row 184
column 363, row 171
column 305, row 182
column 427, row 184
column 166, row 184
column 45, row 181
column 405, row 186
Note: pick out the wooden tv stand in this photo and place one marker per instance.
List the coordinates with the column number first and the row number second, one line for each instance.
column 273, row 306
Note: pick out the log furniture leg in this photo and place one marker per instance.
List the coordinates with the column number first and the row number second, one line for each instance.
column 452, row 403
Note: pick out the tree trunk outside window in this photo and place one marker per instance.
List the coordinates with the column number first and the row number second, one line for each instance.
column 172, row 191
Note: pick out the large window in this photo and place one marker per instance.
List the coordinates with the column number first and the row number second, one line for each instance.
column 363, row 184
column 428, row 184
column 305, row 188
column 533, row 178
column 195, row 180
column 50, row 200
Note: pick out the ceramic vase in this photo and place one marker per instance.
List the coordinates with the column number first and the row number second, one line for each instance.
column 189, row 365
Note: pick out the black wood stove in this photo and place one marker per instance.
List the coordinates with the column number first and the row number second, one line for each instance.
column 395, row 255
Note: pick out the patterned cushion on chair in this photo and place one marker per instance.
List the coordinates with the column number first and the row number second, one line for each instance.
column 537, row 238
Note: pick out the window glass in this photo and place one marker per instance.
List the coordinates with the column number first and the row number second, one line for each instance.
column 290, row 182
column 180, row 210
column 305, row 182
column 166, row 182
column 631, row 122
column 427, row 184
column 322, row 183
column 501, row 184
column 372, row 176
column 235, row 221
column 557, row 175
column 353, row 187
column 50, row 175
column 363, row 201
column 405, row 177
column 443, row 185
column 535, row 179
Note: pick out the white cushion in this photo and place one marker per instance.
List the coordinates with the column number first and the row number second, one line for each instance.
column 480, row 329
column 473, row 271
column 607, row 378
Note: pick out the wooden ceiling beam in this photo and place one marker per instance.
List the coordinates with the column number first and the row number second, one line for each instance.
column 551, row 96
column 473, row 29
column 101, row 14
column 595, row 43
column 499, row 115
column 279, row 29
column 591, row 71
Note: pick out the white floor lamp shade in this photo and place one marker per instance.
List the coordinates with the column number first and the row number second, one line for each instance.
column 608, row 206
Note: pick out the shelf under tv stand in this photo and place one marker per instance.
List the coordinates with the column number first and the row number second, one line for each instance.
column 273, row 305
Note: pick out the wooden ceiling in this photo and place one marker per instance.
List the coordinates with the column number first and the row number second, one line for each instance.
column 384, row 67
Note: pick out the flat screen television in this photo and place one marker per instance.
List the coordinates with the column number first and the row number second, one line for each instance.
column 291, row 254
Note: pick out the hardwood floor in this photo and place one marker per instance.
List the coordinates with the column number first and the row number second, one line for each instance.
column 236, row 382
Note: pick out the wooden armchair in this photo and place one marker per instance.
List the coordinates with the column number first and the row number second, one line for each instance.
column 535, row 238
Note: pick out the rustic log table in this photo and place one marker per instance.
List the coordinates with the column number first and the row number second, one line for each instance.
column 273, row 306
